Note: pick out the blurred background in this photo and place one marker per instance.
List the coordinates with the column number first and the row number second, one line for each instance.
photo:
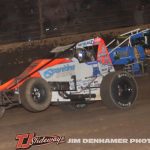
column 25, row 20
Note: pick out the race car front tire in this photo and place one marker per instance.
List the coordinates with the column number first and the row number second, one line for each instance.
column 119, row 90
column 35, row 95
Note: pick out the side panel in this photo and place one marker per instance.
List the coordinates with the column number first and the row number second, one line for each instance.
column 88, row 78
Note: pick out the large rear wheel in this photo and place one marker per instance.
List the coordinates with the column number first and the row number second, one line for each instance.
column 119, row 90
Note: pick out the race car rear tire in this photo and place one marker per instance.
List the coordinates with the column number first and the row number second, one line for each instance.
column 119, row 90
column 35, row 95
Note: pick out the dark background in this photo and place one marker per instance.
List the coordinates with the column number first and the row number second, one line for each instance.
column 25, row 20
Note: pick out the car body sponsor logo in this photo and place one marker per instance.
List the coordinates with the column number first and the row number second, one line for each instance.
column 52, row 71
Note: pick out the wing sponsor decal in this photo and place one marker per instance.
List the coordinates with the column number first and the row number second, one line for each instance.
column 85, row 43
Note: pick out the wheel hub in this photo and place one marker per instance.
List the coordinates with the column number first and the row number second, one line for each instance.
column 36, row 94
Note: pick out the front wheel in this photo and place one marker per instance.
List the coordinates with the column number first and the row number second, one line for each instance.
column 119, row 90
column 35, row 94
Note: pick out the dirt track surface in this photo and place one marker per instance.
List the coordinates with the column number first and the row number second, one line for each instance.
column 94, row 121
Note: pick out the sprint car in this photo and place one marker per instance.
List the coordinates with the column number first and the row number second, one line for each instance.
column 82, row 70
column 131, row 51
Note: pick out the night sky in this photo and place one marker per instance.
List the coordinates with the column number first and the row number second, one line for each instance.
column 19, row 19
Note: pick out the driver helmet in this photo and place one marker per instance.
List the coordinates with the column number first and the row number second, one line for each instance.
column 81, row 55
